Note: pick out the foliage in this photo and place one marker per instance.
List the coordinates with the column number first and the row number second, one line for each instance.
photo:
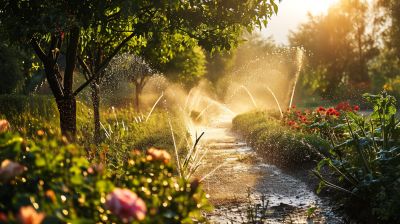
column 339, row 46
column 365, row 156
column 58, row 181
column 31, row 114
column 279, row 145
column 124, row 130
column 10, row 70
column 214, row 25
column 187, row 67
column 320, row 120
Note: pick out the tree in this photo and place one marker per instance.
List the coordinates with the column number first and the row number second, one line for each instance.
column 10, row 70
column 391, row 8
column 58, row 25
column 134, row 69
column 340, row 46
column 187, row 67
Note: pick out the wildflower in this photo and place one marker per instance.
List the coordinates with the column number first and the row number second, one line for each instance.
column 126, row 205
column 10, row 169
column 321, row 109
column 344, row 106
column 96, row 168
column 332, row 112
column 303, row 118
column 157, row 154
column 4, row 126
column 291, row 123
column 51, row 195
column 136, row 152
column 356, row 108
column 40, row 132
column 28, row 215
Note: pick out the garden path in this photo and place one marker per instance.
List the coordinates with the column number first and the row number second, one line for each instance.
column 242, row 179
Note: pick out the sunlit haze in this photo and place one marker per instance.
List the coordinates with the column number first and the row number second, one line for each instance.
column 291, row 14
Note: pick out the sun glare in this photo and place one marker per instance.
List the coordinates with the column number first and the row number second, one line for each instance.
column 291, row 13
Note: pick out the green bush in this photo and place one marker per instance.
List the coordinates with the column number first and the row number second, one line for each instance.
column 365, row 156
column 278, row 144
column 56, row 181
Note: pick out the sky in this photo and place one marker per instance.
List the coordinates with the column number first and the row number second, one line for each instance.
column 291, row 14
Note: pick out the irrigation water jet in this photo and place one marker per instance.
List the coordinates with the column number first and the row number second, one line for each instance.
column 299, row 55
column 202, row 112
column 276, row 101
column 250, row 95
column 175, row 148
column 154, row 106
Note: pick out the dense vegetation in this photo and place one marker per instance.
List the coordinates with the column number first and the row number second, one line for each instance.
column 48, row 180
column 362, row 152
column 276, row 143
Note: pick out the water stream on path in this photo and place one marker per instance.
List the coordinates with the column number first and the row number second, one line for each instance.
column 241, row 172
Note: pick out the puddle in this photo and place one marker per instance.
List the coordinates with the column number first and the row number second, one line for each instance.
column 289, row 199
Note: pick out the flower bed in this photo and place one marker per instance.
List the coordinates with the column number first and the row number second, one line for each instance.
column 276, row 143
column 48, row 180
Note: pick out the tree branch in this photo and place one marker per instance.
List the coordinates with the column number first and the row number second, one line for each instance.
column 104, row 64
column 85, row 67
column 39, row 51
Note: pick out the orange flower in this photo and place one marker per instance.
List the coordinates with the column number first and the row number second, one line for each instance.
column 28, row 215
column 157, row 154
column 40, row 132
column 10, row 169
column 51, row 195
column 4, row 126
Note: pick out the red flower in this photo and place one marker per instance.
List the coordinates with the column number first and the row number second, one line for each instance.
column 345, row 106
column 332, row 112
column 321, row 109
column 356, row 108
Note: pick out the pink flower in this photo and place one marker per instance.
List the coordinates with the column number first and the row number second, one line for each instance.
column 126, row 205
column 28, row 215
column 10, row 169
column 4, row 126
column 157, row 154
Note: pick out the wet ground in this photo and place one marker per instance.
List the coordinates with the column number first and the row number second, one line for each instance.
column 244, row 189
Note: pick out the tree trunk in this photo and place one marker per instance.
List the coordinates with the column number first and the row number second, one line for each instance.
column 67, row 110
column 96, row 111
column 138, row 91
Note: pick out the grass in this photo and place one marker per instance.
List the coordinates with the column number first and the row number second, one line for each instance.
column 29, row 114
column 277, row 144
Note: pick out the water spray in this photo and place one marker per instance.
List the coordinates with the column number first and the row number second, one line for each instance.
column 250, row 95
column 276, row 101
column 176, row 148
column 154, row 106
column 300, row 55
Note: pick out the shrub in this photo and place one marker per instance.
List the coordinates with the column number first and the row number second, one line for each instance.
column 51, row 180
column 365, row 156
column 278, row 144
